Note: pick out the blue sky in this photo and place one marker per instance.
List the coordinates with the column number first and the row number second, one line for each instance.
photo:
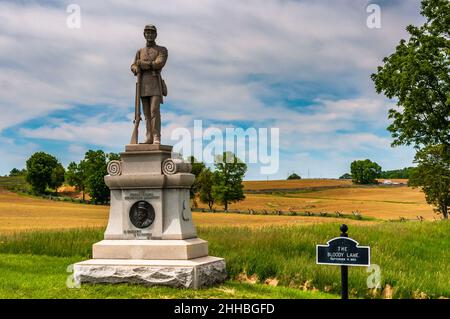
column 300, row 66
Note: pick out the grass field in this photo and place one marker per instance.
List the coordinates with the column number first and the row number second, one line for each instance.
column 413, row 258
column 23, row 213
column 20, row 212
column 39, row 238
column 38, row 276
column 330, row 195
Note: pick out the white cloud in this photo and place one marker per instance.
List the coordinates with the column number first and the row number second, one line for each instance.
column 224, row 57
column 95, row 132
column 212, row 45
column 99, row 131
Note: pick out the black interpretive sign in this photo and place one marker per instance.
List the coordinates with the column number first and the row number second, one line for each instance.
column 343, row 251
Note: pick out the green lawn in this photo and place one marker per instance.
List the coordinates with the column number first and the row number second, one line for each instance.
column 31, row 276
column 413, row 257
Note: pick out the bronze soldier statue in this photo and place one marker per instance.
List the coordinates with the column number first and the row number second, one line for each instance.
column 150, row 87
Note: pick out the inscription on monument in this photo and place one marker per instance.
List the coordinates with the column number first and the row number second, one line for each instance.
column 137, row 233
column 141, row 195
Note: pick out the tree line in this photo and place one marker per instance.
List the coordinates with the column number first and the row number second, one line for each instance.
column 46, row 174
column 366, row 172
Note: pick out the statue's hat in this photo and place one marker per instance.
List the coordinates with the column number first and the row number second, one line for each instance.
column 141, row 205
column 150, row 27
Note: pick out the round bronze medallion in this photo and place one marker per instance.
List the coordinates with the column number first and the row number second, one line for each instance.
column 142, row 214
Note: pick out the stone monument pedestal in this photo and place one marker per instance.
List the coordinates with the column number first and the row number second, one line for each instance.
column 150, row 238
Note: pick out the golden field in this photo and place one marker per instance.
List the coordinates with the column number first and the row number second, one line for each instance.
column 305, row 183
column 24, row 213
column 295, row 183
column 382, row 202
column 19, row 212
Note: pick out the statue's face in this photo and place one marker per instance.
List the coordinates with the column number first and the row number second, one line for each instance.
column 141, row 215
column 150, row 35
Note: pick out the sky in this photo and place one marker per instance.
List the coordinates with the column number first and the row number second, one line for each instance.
column 302, row 67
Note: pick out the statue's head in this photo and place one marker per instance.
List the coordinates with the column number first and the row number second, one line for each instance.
column 141, row 212
column 150, row 32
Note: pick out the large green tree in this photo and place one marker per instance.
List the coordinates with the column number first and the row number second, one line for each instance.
column 76, row 175
column 43, row 170
column 197, row 168
column 206, row 182
column 432, row 174
column 95, row 165
column 365, row 171
column 57, row 177
column 228, row 177
column 417, row 75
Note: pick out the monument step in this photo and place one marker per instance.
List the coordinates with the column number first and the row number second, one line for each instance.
column 150, row 249
column 194, row 273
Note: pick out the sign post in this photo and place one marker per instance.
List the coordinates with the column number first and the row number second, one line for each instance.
column 343, row 251
column 344, row 269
